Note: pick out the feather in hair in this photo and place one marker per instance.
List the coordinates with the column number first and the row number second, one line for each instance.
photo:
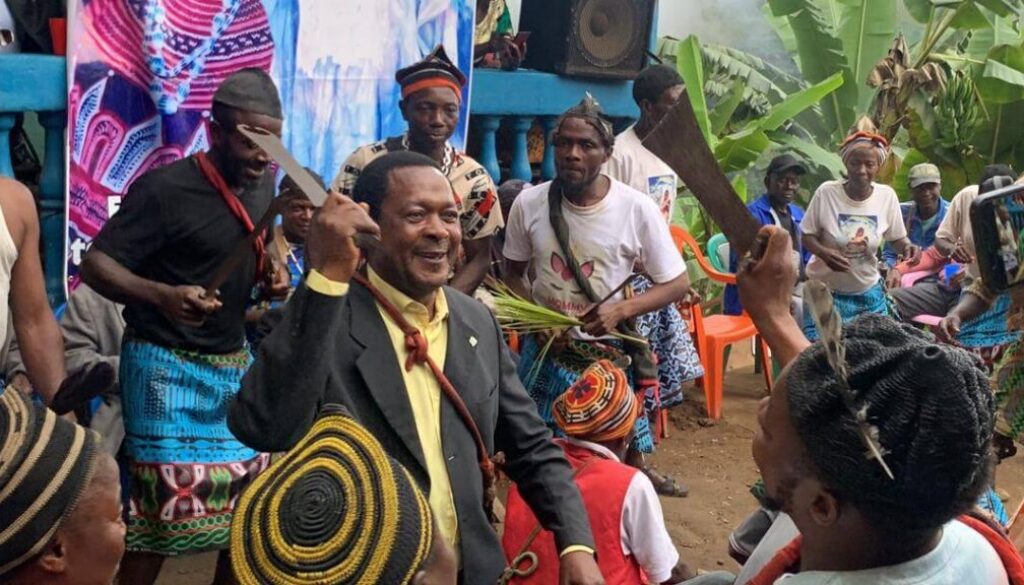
column 830, row 330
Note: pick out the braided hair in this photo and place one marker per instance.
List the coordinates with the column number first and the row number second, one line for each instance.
column 934, row 412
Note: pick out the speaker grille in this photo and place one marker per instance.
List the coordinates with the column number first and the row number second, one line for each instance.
column 607, row 31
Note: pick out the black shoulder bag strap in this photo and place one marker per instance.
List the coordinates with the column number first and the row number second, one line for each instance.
column 645, row 368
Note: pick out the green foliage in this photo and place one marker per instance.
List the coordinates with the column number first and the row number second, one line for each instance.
column 829, row 36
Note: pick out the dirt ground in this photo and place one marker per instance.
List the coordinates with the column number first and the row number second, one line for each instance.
column 713, row 459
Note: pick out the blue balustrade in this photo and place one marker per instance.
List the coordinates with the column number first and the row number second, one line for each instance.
column 518, row 98
column 38, row 83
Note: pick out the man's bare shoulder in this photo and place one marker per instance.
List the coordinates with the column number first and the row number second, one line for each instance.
column 18, row 206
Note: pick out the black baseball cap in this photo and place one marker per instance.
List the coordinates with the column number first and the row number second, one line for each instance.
column 786, row 162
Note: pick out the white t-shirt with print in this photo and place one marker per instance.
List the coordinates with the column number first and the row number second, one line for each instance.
column 857, row 227
column 607, row 238
column 634, row 165
column 963, row 557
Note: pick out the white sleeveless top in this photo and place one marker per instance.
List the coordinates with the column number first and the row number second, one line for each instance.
column 8, row 256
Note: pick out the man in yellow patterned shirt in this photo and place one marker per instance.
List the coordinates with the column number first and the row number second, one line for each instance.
column 431, row 99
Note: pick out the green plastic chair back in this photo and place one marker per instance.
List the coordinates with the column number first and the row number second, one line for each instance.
column 718, row 252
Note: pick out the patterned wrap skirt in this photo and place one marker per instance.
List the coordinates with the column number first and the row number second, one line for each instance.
column 850, row 306
column 185, row 469
column 987, row 335
column 550, row 378
column 670, row 339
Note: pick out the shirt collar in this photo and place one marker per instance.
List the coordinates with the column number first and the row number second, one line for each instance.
column 599, row 449
column 406, row 305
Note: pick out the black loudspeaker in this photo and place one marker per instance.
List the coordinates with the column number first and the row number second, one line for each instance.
column 588, row 38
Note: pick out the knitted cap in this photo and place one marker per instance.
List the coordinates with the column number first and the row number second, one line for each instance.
column 933, row 409
column 46, row 463
column 434, row 70
column 335, row 509
column 599, row 407
column 252, row 90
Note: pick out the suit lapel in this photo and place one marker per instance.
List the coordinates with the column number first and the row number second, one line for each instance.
column 461, row 361
column 379, row 368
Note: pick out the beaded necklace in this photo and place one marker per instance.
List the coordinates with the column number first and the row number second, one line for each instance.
column 192, row 64
column 449, row 154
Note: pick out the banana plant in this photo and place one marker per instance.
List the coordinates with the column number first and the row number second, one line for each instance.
column 740, row 142
column 829, row 36
column 737, row 149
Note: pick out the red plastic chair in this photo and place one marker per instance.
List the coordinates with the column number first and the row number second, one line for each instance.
column 716, row 332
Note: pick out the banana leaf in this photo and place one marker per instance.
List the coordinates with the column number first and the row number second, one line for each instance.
column 820, row 53
column 1002, row 77
column 796, row 103
column 867, row 29
column 723, row 112
column 738, row 151
column 812, row 154
column 690, row 62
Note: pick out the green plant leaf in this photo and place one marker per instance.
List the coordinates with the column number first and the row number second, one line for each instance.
column 690, row 62
column 867, row 30
column 724, row 110
column 738, row 151
column 814, row 27
column 793, row 105
column 970, row 16
column 739, row 184
column 813, row 154
column 1002, row 77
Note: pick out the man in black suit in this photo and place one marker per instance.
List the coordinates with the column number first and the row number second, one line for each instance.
column 344, row 342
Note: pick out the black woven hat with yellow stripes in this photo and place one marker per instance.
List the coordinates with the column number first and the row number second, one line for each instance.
column 334, row 510
column 45, row 464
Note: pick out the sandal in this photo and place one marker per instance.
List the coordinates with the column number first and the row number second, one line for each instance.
column 666, row 485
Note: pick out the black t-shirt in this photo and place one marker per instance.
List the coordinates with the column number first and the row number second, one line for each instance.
column 175, row 228
column 786, row 221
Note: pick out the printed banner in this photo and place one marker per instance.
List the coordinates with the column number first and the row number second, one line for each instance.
column 143, row 72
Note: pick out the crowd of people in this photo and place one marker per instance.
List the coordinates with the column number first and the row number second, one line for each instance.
column 339, row 408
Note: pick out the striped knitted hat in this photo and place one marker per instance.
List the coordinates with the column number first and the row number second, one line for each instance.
column 335, row 509
column 599, row 407
column 45, row 464
column 435, row 70
column 864, row 139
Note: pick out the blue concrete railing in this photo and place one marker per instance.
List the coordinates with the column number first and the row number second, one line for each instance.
column 518, row 98
column 38, row 83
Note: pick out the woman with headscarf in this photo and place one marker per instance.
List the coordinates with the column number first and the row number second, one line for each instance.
column 846, row 222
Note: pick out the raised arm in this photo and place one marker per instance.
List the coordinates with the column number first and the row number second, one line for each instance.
column 766, row 288
column 39, row 338
column 296, row 354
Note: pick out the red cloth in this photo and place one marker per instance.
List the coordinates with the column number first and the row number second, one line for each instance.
column 235, row 205
column 787, row 559
column 931, row 262
column 603, row 485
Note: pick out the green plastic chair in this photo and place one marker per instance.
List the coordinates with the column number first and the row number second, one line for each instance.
column 718, row 257
column 718, row 254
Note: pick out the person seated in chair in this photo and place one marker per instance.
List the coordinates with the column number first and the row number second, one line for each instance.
column 777, row 207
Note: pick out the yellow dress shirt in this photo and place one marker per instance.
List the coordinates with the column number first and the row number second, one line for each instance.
column 423, row 388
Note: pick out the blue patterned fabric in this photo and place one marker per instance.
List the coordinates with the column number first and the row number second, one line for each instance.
column 176, row 404
column 670, row 339
column 989, row 329
column 183, row 466
column 550, row 379
column 874, row 300
column 991, row 503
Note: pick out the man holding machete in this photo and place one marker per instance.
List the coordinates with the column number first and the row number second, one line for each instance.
column 183, row 353
column 431, row 100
